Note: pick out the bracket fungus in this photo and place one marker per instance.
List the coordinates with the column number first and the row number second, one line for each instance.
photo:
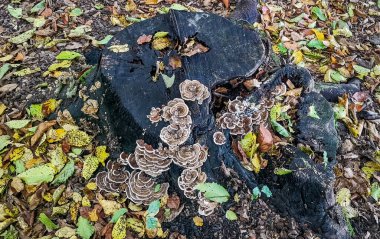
column 174, row 135
column 190, row 156
column 154, row 115
column 114, row 178
column 152, row 161
column 193, row 90
column 236, row 106
column 189, row 179
column 219, row 138
column 141, row 188
column 238, row 124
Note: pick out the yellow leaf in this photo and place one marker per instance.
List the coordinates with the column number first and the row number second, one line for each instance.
column 86, row 202
column 119, row 231
column 343, row 197
column 74, row 207
column 2, row 108
column 370, row 168
column 297, row 57
column 55, row 135
column 101, row 154
column 134, row 207
column 17, row 153
column 78, row 138
column 136, row 225
column 91, row 186
column 93, row 216
column 318, row 34
column 48, row 197
column 198, row 221
column 160, row 43
column 62, row 64
column 256, row 163
column 90, row 165
column 119, row 48
column 151, row 2
column 33, row 162
column 109, row 206
column 49, row 106
column 119, row 20
column 276, row 49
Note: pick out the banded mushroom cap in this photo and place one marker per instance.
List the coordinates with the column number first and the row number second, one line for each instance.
column 188, row 179
column 190, row 156
column 175, row 108
column 193, row 90
column 279, row 90
column 116, row 172
column 236, row 106
column 141, row 188
column 152, row 161
column 228, row 120
column 205, row 206
column 114, row 179
column 268, row 103
column 219, row 138
column 155, row 115
column 174, row 135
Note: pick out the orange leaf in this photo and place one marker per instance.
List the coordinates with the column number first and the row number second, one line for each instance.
column 264, row 139
column 226, row 3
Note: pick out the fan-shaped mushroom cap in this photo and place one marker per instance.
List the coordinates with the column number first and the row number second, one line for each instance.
column 175, row 108
column 205, row 207
column 141, row 188
column 236, row 106
column 193, row 90
column 228, row 120
column 238, row 124
column 189, row 179
column 268, row 103
column 154, row 115
column 279, row 90
column 190, row 156
column 114, row 179
column 174, row 135
column 219, row 138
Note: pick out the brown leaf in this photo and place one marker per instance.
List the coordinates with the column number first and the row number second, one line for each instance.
column 47, row 12
column 193, row 47
column 264, row 139
column 144, row 39
column 175, row 62
column 173, row 202
column 226, row 3
column 42, row 128
column 19, row 57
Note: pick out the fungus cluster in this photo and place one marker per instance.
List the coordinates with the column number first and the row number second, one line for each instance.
column 148, row 162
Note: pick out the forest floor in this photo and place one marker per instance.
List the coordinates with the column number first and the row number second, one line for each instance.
column 335, row 40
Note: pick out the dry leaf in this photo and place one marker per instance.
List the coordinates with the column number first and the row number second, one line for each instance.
column 144, row 39
column 264, row 139
column 42, row 128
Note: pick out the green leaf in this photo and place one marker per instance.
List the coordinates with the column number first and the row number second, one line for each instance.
column 160, row 35
column 26, row 71
column 313, row 113
column 15, row 12
column 361, row 70
column 80, row 31
column 104, row 41
column 4, row 69
column 23, row 37
column 76, row 12
column 343, row 197
column 67, row 55
column 282, row 171
column 38, row 7
column 341, row 28
column 151, row 223
column 231, row 215
column 169, row 81
column 256, row 193
column 214, row 192
column 319, row 13
column 50, row 226
column 334, row 76
column 98, row 6
column 153, row 208
column 178, row 7
column 266, row 191
column 375, row 191
column 317, row 44
column 118, row 214
column 339, row 112
column 283, row 50
column 83, row 77
column 4, row 141
column 62, row 64
column 298, row 18
column 11, row 233
column 84, row 228
column 17, row 124
column 35, row 110
column 39, row 22
column 37, row 175
column 280, row 129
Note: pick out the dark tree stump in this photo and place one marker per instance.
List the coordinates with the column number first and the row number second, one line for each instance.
column 128, row 94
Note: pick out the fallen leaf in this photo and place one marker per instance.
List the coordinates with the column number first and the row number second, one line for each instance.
column 282, row 171
column 17, row 124
column 175, row 62
column 38, row 7
column 15, row 12
column 264, row 139
column 343, row 197
column 26, row 71
column 144, row 39
column 198, row 221
column 168, row 80
column 50, row 226
column 84, row 228
column 68, row 55
column 22, row 37
column 313, row 113
column 119, row 231
column 119, row 48
column 213, row 192
column 160, row 43
column 76, row 12
column 90, row 165
column 231, row 215
column 37, row 175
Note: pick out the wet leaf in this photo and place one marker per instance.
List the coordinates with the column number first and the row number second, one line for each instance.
column 266, row 191
column 22, row 37
column 213, row 192
column 198, row 221
column 76, row 12
column 168, row 80
column 67, row 55
column 38, row 7
column 119, row 230
column 313, row 113
column 15, row 12
column 231, row 215
column 84, row 228
column 119, row 48
column 17, row 124
column 319, row 13
column 37, row 175
column 50, row 226
column 90, row 165
column 118, row 214
column 282, row 171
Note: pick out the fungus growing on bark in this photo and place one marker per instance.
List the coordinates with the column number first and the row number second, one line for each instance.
column 279, row 90
column 189, row 179
column 114, row 179
column 141, row 188
column 152, row 161
column 193, row 90
column 219, row 138
column 205, row 207
column 175, row 109
column 238, row 124
column 174, row 135
column 236, row 106
column 190, row 156
column 154, row 115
